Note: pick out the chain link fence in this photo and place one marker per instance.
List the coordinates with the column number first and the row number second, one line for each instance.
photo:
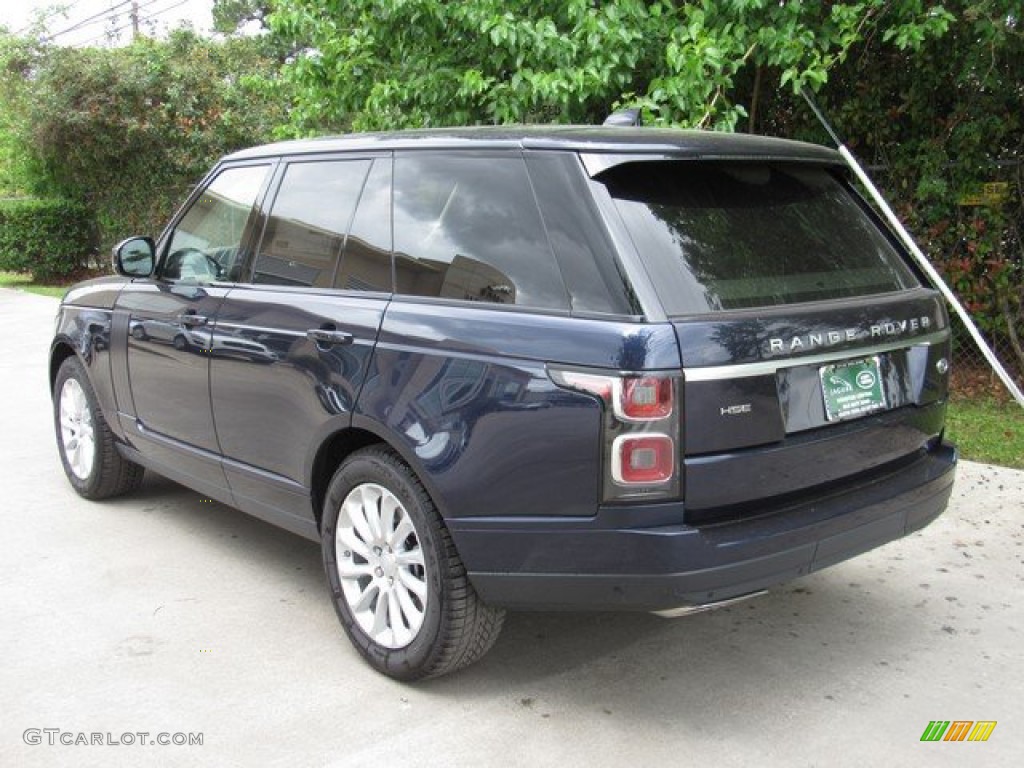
column 972, row 376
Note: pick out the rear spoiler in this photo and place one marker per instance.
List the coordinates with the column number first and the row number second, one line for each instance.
column 598, row 163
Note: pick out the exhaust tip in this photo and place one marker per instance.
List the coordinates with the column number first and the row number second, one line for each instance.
column 686, row 610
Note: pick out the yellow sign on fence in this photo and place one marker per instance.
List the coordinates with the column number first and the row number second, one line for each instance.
column 990, row 194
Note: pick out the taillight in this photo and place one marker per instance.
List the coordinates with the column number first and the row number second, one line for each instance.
column 640, row 433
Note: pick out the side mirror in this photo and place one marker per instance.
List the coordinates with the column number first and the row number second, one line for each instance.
column 135, row 257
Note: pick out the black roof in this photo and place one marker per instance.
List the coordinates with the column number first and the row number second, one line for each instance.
column 587, row 139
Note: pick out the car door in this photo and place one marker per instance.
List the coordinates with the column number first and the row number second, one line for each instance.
column 169, row 320
column 291, row 345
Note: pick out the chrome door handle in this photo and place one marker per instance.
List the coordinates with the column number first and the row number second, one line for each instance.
column 328, row 337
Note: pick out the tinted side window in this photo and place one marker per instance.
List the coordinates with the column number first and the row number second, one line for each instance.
column 467, row 228
column 305, row 232
column 366, row 265
column 587, row 258
column 206, row 242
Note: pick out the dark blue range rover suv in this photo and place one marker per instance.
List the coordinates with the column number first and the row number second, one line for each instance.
column 490, row 368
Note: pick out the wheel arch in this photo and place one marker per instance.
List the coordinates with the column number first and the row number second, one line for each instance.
column 60, row 351
column 341, row 444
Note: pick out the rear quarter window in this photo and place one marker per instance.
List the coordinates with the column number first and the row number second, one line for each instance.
column 728, row 236
column 467, row 228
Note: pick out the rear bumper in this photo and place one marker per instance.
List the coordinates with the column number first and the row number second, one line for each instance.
column 599, row 564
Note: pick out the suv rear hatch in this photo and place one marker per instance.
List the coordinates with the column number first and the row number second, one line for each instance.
column 812, row 354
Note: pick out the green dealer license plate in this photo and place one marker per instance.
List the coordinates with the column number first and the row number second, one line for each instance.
column 852, row 388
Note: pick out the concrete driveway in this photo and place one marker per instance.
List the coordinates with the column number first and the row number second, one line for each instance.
column 168, row 615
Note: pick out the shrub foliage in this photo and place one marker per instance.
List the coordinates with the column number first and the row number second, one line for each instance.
column 50, row 239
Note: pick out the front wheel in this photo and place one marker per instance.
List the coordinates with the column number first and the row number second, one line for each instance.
column 399, row 587
column 87, row 447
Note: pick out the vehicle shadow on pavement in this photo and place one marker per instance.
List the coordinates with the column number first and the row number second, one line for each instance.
column 813, row 638
column 225, row 530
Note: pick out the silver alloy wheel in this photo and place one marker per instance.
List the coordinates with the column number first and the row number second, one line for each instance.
column 380, row 565
column 76, row 429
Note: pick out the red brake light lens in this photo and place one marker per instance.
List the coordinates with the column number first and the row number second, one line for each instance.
column 642, row 459
column 646, row 398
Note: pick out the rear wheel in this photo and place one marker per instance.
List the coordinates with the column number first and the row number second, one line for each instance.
column 87, row 447
column 399, row 587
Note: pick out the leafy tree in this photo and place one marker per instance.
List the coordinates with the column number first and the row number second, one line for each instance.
column 229, row 16
column 15, row 63
column 126, row 131
column 388, row 63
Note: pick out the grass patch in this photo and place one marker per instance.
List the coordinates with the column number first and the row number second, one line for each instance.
column 24, row 283
column 988, row 431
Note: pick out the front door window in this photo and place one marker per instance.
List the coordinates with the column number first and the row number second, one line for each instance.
column 206, row 244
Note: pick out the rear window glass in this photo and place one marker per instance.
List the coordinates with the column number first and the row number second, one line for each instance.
column 722, row 236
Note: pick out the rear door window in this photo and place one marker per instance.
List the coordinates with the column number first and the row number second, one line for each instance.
column 305, row 233
column 467, row 228
column 727, row 236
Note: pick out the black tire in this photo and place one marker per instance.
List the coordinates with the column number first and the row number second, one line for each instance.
column 457, row 627
column 106, row 473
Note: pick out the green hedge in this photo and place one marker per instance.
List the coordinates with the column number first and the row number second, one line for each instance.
column 50, row 239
